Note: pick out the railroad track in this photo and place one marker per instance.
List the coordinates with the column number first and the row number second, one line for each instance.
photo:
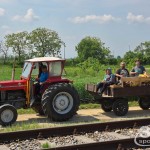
column 110, row 135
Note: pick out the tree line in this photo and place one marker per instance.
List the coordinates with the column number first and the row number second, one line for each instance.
column 92, row 48
column 38, row 43
column 46, row 42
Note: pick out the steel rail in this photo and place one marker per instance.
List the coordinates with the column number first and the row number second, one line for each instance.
column 68, row 130
column 122, row 144
column 78, row 129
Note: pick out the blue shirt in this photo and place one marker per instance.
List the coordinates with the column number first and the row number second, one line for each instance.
column 43, row 76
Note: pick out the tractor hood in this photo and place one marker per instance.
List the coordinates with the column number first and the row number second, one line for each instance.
column 13, row 85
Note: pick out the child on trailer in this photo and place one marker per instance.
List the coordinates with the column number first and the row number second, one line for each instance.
column 109, row 79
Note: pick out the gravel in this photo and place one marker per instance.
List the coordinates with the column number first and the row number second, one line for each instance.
column 128, row 132
column 34, row 144
column 64, row 140
column 31, row 144
column 100, row 136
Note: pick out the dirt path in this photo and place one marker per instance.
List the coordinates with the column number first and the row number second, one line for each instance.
column 87, row 115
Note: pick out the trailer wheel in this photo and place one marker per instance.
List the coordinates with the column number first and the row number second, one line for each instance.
column 60, row 101
column 144, row 103
column 8, row 114
column 120, row 107
column 106, row 105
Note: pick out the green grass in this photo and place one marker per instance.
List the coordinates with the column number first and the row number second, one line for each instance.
column 26, row 111
column 89, row 106
column 45, row 145
column 133, row 103
column 20, row 127
column 6, row 72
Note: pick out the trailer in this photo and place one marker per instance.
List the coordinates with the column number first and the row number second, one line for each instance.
column 116, row 97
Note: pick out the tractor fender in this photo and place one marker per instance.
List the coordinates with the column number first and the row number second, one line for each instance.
column 47, row 84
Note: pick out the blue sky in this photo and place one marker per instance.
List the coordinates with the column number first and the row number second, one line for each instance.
column 120, row 24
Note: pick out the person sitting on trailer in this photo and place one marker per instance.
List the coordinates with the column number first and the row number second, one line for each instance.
column 138, row 69
column 109, row 79
column 122, row 72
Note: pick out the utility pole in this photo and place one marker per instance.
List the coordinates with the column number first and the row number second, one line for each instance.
column 142, row 50
column 64, row 48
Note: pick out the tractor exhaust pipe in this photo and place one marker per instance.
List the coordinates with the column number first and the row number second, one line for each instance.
column 13, row 70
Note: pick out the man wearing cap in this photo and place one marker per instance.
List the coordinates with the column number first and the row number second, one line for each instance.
column 122, row 72
column 109, row 79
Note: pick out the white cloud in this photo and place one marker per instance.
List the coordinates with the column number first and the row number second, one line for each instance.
column 137, row 18
column 2, row 12
column 28, row 17
column 94, row 18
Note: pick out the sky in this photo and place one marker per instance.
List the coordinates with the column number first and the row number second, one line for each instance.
column 120, row 24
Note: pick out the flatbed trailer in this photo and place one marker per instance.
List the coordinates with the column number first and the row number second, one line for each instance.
column 116, row 97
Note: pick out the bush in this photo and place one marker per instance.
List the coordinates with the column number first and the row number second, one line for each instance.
column 80, row 87
column 72, row 62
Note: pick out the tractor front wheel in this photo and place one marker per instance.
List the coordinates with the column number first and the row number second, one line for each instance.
column 8, row 114
column 60, row 101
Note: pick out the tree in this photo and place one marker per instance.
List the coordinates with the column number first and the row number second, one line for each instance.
column 4, row 50
column 45, row 42
column 111, row 60
column 143, row 49
column 18, row 43
column 131, row 56
column 92, row 47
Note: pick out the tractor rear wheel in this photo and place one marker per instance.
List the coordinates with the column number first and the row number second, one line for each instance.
column 8, row 114
column 38, row 109
column 144, row 103
column 120, row 107
column 60, row 101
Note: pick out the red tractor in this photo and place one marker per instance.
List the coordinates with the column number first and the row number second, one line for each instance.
column 58, row 99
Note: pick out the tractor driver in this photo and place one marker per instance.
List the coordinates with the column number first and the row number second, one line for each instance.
column 43, row 77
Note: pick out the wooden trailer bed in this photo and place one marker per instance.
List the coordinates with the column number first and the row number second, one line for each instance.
column 115, row 97
column 119, row 91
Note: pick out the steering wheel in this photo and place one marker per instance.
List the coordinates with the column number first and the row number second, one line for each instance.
column 33, row 79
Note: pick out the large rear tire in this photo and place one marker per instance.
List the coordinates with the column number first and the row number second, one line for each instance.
column 38, row 109
column 120, row 107
column 60, row 101
column 144, row 103
column 8, row 115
